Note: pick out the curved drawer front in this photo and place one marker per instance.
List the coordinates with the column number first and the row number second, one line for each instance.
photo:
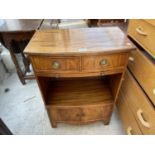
column 104, row 62
column 130, row 125
column 144, row 71
column 143, row 33
column 56, row 64
column 143, row 110
column 80, row 65
column 80, row 114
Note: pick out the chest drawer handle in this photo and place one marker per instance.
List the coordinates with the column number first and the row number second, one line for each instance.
column 131, row 59
column 129, row 130
column 55, row 65
column 103, row 62
column 138, row 30
column 141, row 118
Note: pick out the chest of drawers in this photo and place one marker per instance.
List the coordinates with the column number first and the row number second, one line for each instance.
column 143, row 32
column 129, row 122
column 79, row 72
column 139, row 105
column 138, row 88
column 144, row 71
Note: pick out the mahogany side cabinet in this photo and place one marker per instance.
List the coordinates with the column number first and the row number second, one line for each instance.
column 79, row 72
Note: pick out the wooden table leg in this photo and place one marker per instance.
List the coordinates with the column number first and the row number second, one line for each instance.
column 16, row 42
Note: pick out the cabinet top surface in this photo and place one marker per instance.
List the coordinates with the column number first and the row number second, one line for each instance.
column 78, row 41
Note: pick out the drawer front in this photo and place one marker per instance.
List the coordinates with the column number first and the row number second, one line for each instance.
column 130, row 125
column 144, row 71
column 143, row 110
column 104, row 62
column 56, row 64
column 82, row 114
column 144, row 33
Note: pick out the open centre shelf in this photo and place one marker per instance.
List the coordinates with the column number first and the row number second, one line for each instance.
column 80, row 91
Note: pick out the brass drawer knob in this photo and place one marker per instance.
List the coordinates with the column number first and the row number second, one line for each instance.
column 55, row 65
column 103, row 62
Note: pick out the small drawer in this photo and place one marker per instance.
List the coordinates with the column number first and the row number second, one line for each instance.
column 144, row 71
column 141, row 107
column 143, row 33
column 56, row 64
column 80, row 114
column 130, row 124
column 104, row 62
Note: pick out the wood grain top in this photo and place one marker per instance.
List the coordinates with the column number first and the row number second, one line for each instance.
column 79, row 41
column 7, row 25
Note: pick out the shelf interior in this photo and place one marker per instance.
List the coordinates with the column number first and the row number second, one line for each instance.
column 79, row 91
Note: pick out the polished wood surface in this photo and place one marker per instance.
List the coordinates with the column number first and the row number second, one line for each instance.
column 93, row 64
column 110, row 61
column 80, row 115
column 143, row 33
column 79, row 72
column 144, row 71
column 142, row 108
column 79, row 41
column 129, row 122
column 79, row 101
column 79, row 91
column 7, row 25
column 66, row 64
